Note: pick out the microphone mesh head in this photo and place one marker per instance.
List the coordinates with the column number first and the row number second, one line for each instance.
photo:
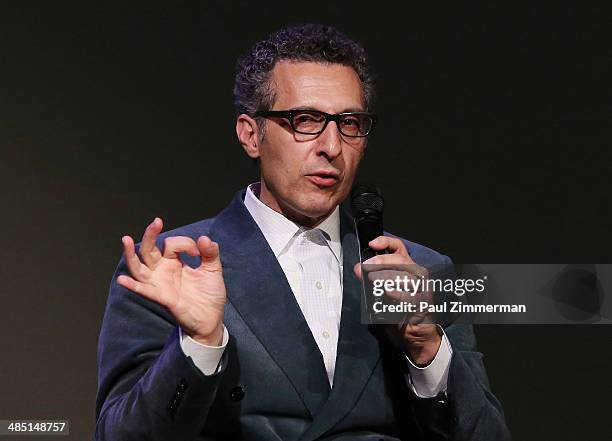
column 367, row 198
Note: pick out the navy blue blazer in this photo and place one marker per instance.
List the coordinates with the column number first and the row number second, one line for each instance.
column 273, row 385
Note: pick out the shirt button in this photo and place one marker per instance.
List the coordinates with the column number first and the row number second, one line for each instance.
column 237, row 393
column 325, row 334
column 319, row 285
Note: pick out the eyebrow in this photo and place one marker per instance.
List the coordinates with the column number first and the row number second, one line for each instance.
column 346, row 110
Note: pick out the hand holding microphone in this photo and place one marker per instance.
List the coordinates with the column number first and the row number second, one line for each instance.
column 420, row 341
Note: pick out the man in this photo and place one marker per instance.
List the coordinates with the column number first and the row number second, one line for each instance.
column 246, row 326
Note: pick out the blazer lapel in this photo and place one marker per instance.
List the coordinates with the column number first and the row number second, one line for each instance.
column 358, row 349
column 258, row 289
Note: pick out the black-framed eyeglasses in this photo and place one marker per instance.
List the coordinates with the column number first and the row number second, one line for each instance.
column 313, row 122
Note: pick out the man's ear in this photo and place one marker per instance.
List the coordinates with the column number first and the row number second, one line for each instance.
column 248, row 135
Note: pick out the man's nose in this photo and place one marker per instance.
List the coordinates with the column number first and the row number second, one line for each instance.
column 330, row 141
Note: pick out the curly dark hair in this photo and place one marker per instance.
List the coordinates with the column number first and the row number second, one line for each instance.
column 306, row 42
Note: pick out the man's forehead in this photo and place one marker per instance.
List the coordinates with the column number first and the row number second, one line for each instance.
column 310, row 82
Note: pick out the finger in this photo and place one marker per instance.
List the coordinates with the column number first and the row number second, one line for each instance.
column 403, row 287
column 175, row 245
column 148, row 249
column 420, row 330
column 388, row 259
column 399, row 296
column 398, row 262
column 137, row 269
column 384, row 274
column 394, row 262
column 417, row 319
column 415, row 331
column 209, row 250
column 376, row 273
column 147, row 291
column 392, row 244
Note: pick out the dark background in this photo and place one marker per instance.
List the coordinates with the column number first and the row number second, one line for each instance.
column 493, row 146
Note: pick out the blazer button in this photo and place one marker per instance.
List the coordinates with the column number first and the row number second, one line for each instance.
column 237, row 393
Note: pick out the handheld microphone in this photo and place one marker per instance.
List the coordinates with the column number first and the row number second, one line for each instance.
column 367, row 204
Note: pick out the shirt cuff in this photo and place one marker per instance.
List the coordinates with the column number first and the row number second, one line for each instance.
column 206, row 358
column 429, row 381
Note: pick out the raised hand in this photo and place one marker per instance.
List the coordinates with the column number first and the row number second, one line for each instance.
column 194, row 296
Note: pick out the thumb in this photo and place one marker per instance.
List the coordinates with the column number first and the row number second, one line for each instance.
column 209, row 251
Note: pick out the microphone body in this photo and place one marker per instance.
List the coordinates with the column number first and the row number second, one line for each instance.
column 367, row 204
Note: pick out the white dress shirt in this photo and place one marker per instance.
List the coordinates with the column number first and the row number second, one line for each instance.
column 312, row 262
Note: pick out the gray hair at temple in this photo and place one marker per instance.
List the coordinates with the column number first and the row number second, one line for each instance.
column 307, row 42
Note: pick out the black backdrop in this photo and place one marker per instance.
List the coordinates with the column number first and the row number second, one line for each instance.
column 494, row 146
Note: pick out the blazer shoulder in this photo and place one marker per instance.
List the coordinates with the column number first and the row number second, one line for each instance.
column 422, row 254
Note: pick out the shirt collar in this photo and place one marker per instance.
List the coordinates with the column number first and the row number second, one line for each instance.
column 278, row 230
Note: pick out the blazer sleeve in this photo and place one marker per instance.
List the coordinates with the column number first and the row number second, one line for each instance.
column 467, row 411
column 474, row 411
column 147, row 388
column 471, row 410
